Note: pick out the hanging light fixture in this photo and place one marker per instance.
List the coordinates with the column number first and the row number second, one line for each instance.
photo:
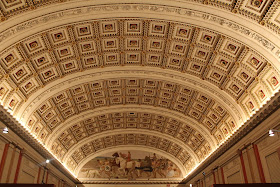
column 45, row 168
column 271, row 132
column 5, row 130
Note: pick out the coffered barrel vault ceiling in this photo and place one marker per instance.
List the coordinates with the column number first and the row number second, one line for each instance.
column 82, row 85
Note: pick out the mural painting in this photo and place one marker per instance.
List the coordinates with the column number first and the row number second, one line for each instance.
column 130, row 165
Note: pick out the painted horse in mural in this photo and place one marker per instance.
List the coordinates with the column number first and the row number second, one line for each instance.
column 145, row 167
column 160, row 167
column 126, row 167
column 92, row 173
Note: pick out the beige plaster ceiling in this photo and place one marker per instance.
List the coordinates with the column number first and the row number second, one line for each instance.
column 82, row 76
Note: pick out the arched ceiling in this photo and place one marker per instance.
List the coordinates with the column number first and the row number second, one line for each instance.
column 83, row 76
column 158, row 143
column 76, row 134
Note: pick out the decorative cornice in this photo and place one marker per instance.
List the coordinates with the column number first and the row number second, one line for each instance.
column 149, row 8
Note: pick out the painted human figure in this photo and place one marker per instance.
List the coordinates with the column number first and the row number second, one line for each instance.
column 128, row 158
column 100, row 164
column 154, row 156
column 170, row 170
column 122, row 155
column 158, row 166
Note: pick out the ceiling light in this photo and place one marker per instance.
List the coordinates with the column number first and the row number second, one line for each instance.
column 47, row 161
column 271, row 132
column 5, row 130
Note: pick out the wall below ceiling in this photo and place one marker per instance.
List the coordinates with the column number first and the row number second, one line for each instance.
column 254, row 159
column 20, row 163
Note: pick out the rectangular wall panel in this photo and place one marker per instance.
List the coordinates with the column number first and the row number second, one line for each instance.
column 234, row 178
column 273, row 164
column 26, row 177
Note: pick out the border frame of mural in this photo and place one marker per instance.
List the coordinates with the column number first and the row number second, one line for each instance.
column 130, row 167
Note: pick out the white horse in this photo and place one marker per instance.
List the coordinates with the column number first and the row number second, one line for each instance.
column 127, row 165
column 92, row 173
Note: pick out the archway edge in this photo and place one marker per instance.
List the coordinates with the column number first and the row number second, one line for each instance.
column 124, row 72
column 228, row 23
column 128, row 131
column 135, row 108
